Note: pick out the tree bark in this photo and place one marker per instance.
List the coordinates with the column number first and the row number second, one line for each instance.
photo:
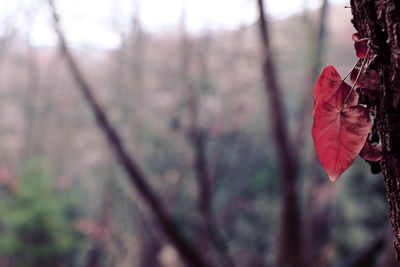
column 380, row 21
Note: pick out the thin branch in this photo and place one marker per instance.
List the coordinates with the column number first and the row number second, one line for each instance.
column 274, row 92
column 358, row 76
column 351, row 70
column 197, row 137
column 134, row 173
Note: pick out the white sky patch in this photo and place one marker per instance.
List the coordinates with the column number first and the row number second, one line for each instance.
column 98, row 23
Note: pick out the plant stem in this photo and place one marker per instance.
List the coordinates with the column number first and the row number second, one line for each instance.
column 347, row 75
column 358, row 76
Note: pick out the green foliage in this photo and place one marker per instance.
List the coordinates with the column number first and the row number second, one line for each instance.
column 36, row 223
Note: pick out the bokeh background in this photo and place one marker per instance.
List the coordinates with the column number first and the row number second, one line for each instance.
column 181, row 80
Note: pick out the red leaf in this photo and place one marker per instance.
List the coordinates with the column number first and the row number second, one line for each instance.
column 339, row 135
column 368, row 79
column 353, row 75
column 361, row 47
column 368, row 82
column 356, row 36
column 337, row 100
column 371, row 152
column 327, row 84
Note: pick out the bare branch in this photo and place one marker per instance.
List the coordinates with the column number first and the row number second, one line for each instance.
column 197, row 137
column 134, row 173
column 289, row 247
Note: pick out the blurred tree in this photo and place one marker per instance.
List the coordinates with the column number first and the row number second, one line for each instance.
column 37, row 222
column 135, row 174
column 289, row 251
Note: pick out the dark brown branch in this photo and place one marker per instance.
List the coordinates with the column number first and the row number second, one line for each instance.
column 195, row 136
column 274, row 92
column 135, row 175
column 289, row 243
column 198, row 138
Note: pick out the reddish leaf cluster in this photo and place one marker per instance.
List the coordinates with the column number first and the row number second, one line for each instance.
column 368, row 82
column 341, row 126
column 340, row 129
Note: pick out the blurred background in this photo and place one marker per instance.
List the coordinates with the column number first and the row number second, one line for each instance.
column 182, row 82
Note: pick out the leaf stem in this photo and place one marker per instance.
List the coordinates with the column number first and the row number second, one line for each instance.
column 347, row 75
column 363, row 39
column 358, row 76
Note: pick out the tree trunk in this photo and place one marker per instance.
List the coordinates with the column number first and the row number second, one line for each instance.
column 380, row 21
column 289, row 239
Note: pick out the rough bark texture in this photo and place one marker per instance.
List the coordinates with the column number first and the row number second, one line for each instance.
column 380, row 21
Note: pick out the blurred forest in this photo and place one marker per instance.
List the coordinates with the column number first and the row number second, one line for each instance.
column 192, row 110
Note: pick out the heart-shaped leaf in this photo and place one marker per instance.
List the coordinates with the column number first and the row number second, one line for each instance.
column 339, row 136
column 339, row 133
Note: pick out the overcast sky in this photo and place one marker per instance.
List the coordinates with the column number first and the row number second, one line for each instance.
column 96, row 22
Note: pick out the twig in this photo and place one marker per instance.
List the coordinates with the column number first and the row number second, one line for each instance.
column 352, row 68
column 197, row 137
column 134, row 173
column 358, row 76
